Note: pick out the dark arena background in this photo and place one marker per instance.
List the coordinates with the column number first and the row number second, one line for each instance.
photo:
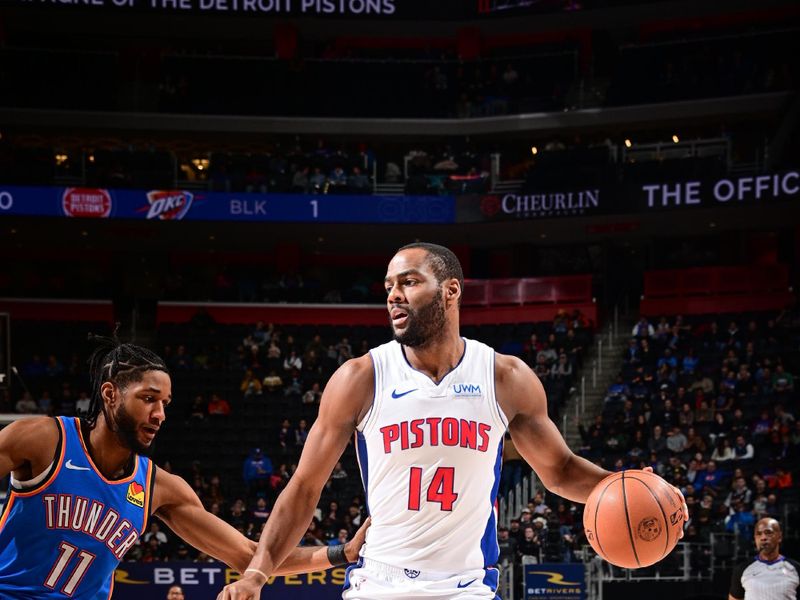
column 228, row 178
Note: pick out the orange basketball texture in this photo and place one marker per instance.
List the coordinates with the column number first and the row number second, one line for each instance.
column 633, row 518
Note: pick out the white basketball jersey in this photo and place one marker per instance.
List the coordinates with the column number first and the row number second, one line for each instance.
column 430, row 458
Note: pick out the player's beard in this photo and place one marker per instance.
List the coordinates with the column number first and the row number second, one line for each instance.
column 126, row 428
column 425, row 324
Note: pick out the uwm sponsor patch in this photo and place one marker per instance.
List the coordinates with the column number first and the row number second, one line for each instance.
column 136, row 494
column 168, row 205
column 466, row 389
column 86, row 203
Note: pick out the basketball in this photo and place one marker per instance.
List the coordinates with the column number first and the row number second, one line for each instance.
column 633, row 518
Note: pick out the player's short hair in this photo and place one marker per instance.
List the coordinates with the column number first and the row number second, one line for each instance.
column 117, row 362
column 444, row 263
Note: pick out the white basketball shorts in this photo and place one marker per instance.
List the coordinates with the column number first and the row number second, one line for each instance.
column 372, row 580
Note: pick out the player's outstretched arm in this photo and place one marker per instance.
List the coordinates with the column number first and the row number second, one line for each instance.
column 28, row 445
column 523, row 399
column 303, row 560
column 179, row 507
column 176, row 503
column 346, row 399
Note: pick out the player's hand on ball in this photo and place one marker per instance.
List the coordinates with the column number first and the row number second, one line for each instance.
column 683, row 502
column 247, row 588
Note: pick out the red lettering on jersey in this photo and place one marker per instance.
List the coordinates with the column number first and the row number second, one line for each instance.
column 469, row 434
column 391, row 433
column 404, row 435
column 416, row 430
column 483, row 431
column 450, row 431
column 433, row 423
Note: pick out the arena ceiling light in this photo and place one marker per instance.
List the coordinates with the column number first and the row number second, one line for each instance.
column 201, row 164
column 675, row 138
column 628, row 143
column 534, row 150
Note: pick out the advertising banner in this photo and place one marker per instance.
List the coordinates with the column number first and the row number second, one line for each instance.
column 350, row 9
column 203, row 581
column 176, row 205
column 743, row 190
column 381, row 9
column 548, row 581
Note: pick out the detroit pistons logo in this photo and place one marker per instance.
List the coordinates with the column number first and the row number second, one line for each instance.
column 649, row 529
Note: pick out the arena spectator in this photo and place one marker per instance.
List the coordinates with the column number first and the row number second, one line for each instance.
column 257, row 469
column 250, row 385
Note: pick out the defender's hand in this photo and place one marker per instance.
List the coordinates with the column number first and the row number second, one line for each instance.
column 247, row 588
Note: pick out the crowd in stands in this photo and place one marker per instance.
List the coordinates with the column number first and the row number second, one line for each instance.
column 708, row 403
column 282, row 166
column 256, row 391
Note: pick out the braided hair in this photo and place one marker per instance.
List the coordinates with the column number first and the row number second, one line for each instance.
column 117, row 362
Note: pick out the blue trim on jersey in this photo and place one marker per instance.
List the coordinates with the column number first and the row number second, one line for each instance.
column 363, row 464
column 492, row 578
column 347, row 571
column 458, row 364
column 494, row 387
column 489, row 547
column 780, row 558
column 365, row 420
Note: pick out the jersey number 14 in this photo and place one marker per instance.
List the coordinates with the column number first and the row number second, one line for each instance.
column 440, row 490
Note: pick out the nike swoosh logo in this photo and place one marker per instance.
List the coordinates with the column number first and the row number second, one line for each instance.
column 76, row 467
column 400, row 395
column 463, row 585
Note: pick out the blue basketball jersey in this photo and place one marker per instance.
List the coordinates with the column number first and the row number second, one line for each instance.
column 63, row 537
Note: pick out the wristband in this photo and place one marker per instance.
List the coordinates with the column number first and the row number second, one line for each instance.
column 264, row 575
column 337, row 556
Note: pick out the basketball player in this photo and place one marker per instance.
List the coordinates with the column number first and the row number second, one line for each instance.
column 429, row 410
column 82, row 490
column 770, row 575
